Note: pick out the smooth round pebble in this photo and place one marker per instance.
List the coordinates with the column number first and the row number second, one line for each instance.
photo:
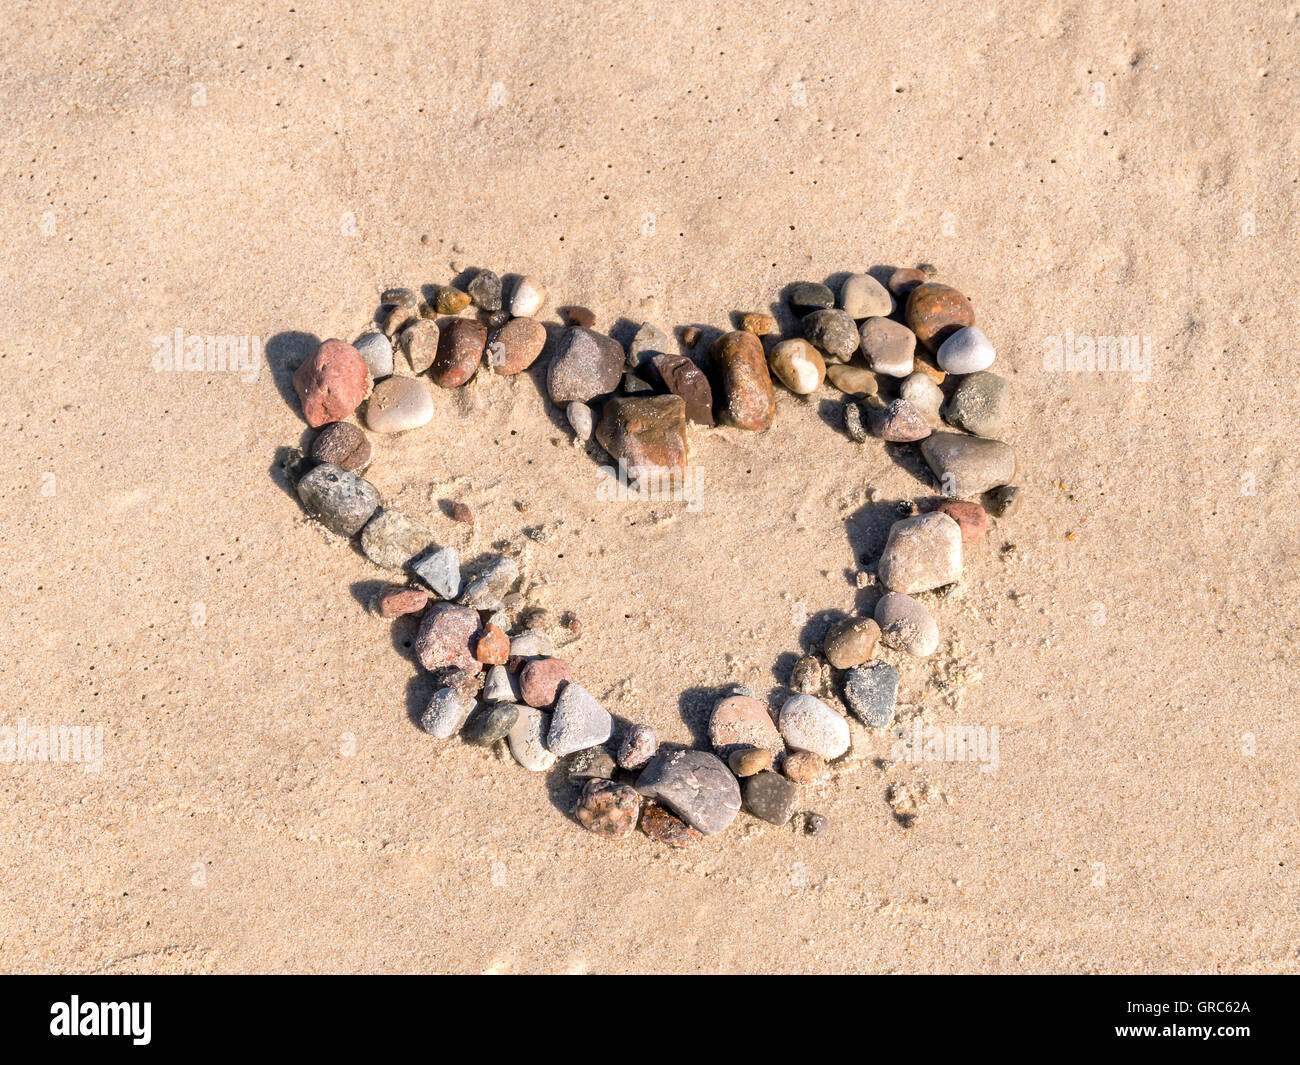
column 394, row 602
column 742, row 721
column 862, row 296
column 461, row 343
column 332, row 383
column 968, row 465
column 526, row 740
column 339, row 500
column 490, row 724
column 850, row 642
column 980, row 404
column 376, row 351
column 450, row 300
column 541, row 679
column 808, row 724
column 803, row 767
column 833, row 332
column 934, row 312
column 965, row 351
column 516, row 345
column 797, row 365
column 608, row 809
column 810, row 296
column 890, row 348
column 446, row 712
column 528, row 297
column 906, row 625
column 920, row 390
column 399, row 404
column 420, row 344
column 852, row 380
column 746, row 761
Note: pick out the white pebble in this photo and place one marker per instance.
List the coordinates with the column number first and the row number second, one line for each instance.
column 808, row 724
column 966, row 351
column 376, row 352
column 927, row 397
column 528, row 297
column 906, row 625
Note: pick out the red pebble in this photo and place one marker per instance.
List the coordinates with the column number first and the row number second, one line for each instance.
column 970, row 518
column 493, row 647
column 332, row 383
column 394, row 602
column 540, row 681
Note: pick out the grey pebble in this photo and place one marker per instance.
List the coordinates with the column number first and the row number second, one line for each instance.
column 1005, row 501
column 968, row 465
column 485, row 291
column 649, row 341
column 980, row 404
column 391, row 539
column 808, row 724
column 341, row 501
column 490, row 724
column 578, row 722
column 853, row 421
column 906, row 625
column 500, row 686
column 439, row 568
column 586, row 364
column 810, row 296
column 490, row 583
column 446, row 712
column 833, row 332
column 638, row 747
column 595, row 763
column 420, row 343
column 815, row 824
column 525, row 740
column 376, row 352
column 695, row 785
column 862, row 296
column 531, row 644
column 770, row 797
column 871, row 692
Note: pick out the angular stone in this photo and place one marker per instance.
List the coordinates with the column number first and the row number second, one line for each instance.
column 332, row 383
column 450, row 300
column 399, row 404
column 341, row 501
column 808, row 724
column 871, row 692
column 637, row 747
column 850, row 642
column 968, row 465
column 528, row 297
column 439, row 568
column 461, row 343
column 832, row 331
column 695, row 785
column 935, row 312
column 742, row 382
column 1005, row 501
column 491, row 579
column 446, row 712
column 447, row 637
column 578, row 722
column 526, row 740
column 980, row 404
column 500, row 686
column 586, row 364
column 663, row 827
column 770, row 797
column 906, row 625
column 966, row 351
column 376, row 352
column 391, row 539
column 862, row 296
column 490, row 724
column 595, row 763
column 342, row 444
column 742, row 721
column 516, row 346
column 531, row 644
column 920, row 554
column 420, row 344
column 899, row 422
column 485, row 291
column 394, row 602
column 649, row 342
column 608, row 809
column 890, row 348
column 541, row 679
column 645, row 432
column 683, row 378
column 797, row 365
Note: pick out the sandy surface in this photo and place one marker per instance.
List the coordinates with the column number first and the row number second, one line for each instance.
column 265, row 802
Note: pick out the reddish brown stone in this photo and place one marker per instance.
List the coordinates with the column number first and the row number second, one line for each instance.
column 683, row 378
column 935, row 312
column 394, row 602
column 758, row 323
column 343, row 444
column 516, row 346
column 904, row 279
column 659, row 824
column 608, row 809
column 743, row 384
column 580, row 316
column 970, row 518
column 803, row 767
column 447, row 637
column 493, row 647
column 460, row 350
column 645, row 432
column 899, row 423
column 541, row 679
column 691, row 336
column 461, row 512
column 332, row 383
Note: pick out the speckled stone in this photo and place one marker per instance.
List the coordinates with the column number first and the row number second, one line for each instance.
column 968, row 465
column 645, row 432
column 742, row 721
column 376, row 351
column 663, row 827
column 770, row 797
column 921, row 553
column 758, row 323
column 528, row 297
column 586, row 364
column 935, row 312
column 832, row 332
column 391, row 539
column 889, row 348
column 526, row 740
column 490, row 724
column 899, row 422
column 854, row 422
column 439, row 568
column 683, row 378
column 395, row 602
column 579, row 721
column 797, row 365
column 871, row 692
column 862, row 296
column 906, row 625
column 447, row 636
column 399, row 404
column 339, row 500
column 332, row 383
column 850, row 642
column 980, row 404
column 342, row 444
column 420, row 344
column 803, row 767
column 516, row 346
column 695, row 785
column 638, row 747
column 594, row 763
column 852, row 380
column 809, row 296
column 461, row 343
column 808, row 724
column 446, row 712
column 966, row 351
column 541, row 679
column 485, row 291
column 741, row 381
column 609, row 810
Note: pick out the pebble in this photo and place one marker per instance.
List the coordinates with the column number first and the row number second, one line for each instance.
column 980, row 404
column 645, row 432
column 391, row 539
column 862, row 296
column 439, row 568
column 850, row 642
column 490, row 724
column 578, row 722
column 935, row 312
column 663, row 827
column 446, row 712
column 695, row 785
column 1005, row 500
column 450, row 300
column 342, row 444
column 815, row 825
column 758, row 323
column 525, row 740
column 469, row 682
column 906, row 625
column 852, row 380
column 485, row 291
column 541, row 679
column 648, row 342
column 636, row 385
column 394, row 602
column 683, row 378
column 742, row 721
column 530, row 644
column 899, row 422
column 462, row 513
column 376, row 351
column 806, row 676
column 461, row 344
column 500, row 686
column 803, row 767
column 691, row 335
column 580, row 316
column 770, row 797
column 808, row 724
column 926, row 396
column 968, row 465
column 740, row 371
column 871, row 692
column 493, row 647
column 399, row 404
column 921, row 553
column 447, row 636
column 587, row 364
column 581, row 419
column 491, row 580
column 608, row 809
column 399, row 297
column 516, row 346
column 904, row 279
column 966, row 351
column 528, row 297
column 797, row 365
column 853, row 422
column 638, row 747
column 746, row 761
column 339, row 500
column 420, row 343
column 889, row 347
column 969, row 516
column 834, row 332
column 925, row 366
column 595, row 763
column 397, row 318
column 332, row 383
column 810, row 296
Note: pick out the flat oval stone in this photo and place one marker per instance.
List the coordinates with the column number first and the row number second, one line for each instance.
column 695, row 785
column 797, row 365
column 683, row 378
column 516, row 346
column 803, row 767
column 770, row 797
column 332, row 383
column 921, row 553
column 439, row 568
column 663, row 827
column 810, row 296
column 969, row 516
column 871, row 692
column 420, row 344
column 541, row 679
column 935, row 312
column 808, row 724
column 528, row 297
column 342, row 444
column 758, row 323
column 376, row 351
column 899, row 422
column 586, row 364
column 391, row 539
column 579, row 722
column 339, row 500
column 645, row 432
column 743, row 384
column 742, row 721
column 395, row 602
column 852, row 380
column 399, row 404
column 526, row 740
column 638, row 747
column 490, row 724
column 906, row 625
column 608, row 809
column 447, row 636
column 850, row 642
column 966, row 351
column 446, row 712
column 926, row 396
column 746, row 761
column 832, row 331
column 890, row 348
column 862, row 296
column 461, row 343
column 980, row 404
column 969, row 465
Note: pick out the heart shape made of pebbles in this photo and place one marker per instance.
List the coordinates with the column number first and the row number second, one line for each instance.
column 497, row 677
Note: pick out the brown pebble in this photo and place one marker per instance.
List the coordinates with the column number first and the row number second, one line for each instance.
column 645, row 432
column 935, row 312
column 461, row 512
column 580, row 316
column 691, row 336
column 608, row 809
column 746, row 761
column 465, row 682
column 343, row 444
column 925, row 366
column 758, row 323
column 806, row 677
column 395, row 601
column 903, row 280
column 1006, row 500
column 516, row 346
column 851, row 641
column 742, row 383
column 803, row 767
column 541, row 679
column 461, row 343
column 683, row 378
column 970, row 518
column 660, row 825
column 449, row 300
column 493, row 647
